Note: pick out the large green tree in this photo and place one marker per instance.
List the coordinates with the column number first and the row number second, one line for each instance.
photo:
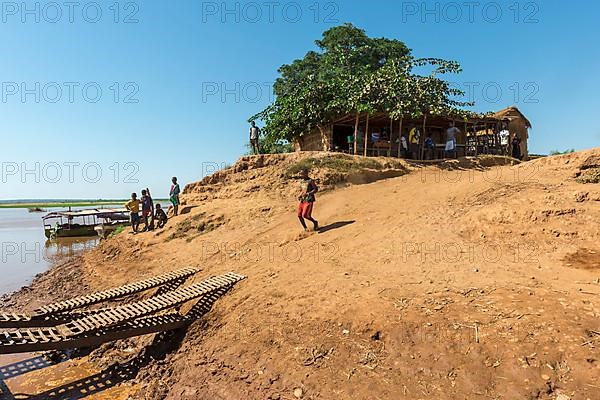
column 353, row 73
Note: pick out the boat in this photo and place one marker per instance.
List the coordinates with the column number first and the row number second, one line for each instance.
column 83, row 223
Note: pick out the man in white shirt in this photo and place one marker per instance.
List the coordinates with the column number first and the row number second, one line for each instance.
column 451, row 133
column 504, row 136
column 404, row 146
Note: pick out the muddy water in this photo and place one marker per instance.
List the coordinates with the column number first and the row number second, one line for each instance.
column 25, row 251
column 32, row 376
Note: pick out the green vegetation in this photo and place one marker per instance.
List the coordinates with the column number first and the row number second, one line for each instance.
column 117, row 230
column 353, row 73
column 339, row 163
column 557, row 153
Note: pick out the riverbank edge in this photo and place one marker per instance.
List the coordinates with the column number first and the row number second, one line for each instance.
column 74, row 203
column 64, row 279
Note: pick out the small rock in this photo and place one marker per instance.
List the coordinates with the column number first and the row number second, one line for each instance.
column 545, row 377
column 345, row 331
column 298, row 393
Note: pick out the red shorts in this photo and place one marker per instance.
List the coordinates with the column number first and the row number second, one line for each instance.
column 305, row 210
column 146, row 213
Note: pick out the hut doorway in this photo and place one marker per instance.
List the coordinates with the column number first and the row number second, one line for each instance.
column 340, row 138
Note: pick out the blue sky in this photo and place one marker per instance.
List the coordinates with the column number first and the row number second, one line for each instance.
column 178, row 80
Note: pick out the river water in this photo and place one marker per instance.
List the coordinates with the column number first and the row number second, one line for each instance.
column 25, row 251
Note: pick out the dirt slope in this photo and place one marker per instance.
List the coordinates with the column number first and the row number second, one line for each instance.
column 459, row 281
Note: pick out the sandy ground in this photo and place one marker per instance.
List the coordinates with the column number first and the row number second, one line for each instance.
column 457, row 281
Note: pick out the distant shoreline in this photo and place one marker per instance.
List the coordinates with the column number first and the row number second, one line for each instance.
column 74, row 203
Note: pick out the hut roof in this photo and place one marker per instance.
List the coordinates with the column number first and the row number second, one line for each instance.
column 511, row 113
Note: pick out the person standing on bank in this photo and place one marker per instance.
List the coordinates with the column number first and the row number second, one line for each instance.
column 133, row 206
column 307, row 200
column 147, row 208
column 254, row 137
column 174, row 195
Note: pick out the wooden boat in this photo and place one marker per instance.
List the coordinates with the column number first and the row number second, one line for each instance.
column 81, row 223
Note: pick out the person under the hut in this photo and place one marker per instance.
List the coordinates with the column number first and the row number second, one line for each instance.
column 516, row 147
column 504, row 135
column 429, row 147
column 451, row 134
column 404, row 145
column 414, row 136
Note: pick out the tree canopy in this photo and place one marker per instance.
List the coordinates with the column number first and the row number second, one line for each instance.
column 353, row 73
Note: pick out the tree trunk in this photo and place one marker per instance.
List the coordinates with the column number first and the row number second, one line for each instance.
column 367, row 135
column 356, row 133
column 400, row 138
column 389, row 152
column 422, row 138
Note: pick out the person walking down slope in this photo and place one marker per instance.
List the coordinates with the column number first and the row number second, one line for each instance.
column 133, row 206
column 174, row 195
column 307, row 200
column 254, row 135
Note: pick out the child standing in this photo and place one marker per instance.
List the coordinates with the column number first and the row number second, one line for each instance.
column 133, row 206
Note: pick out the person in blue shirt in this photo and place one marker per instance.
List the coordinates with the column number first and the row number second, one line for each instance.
column 429, row 147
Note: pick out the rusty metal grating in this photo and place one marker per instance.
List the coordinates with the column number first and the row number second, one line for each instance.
column 121, row 314
column 119, row 322
column 52, row 312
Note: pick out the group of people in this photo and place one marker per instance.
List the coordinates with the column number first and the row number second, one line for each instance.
column 411, row 148
column 514, row 148
column 153, row 216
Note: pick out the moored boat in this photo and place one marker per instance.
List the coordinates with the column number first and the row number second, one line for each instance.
column 81, row 223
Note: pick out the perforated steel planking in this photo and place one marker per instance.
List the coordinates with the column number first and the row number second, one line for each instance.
column 119, row 322
column 54, row 313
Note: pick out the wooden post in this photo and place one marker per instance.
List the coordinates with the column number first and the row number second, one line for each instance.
column 389, row 151
column 367, row 134
column 356, row 132
column 400, row 137
column 466, row 139
column 422, row 138
column 476, row 139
